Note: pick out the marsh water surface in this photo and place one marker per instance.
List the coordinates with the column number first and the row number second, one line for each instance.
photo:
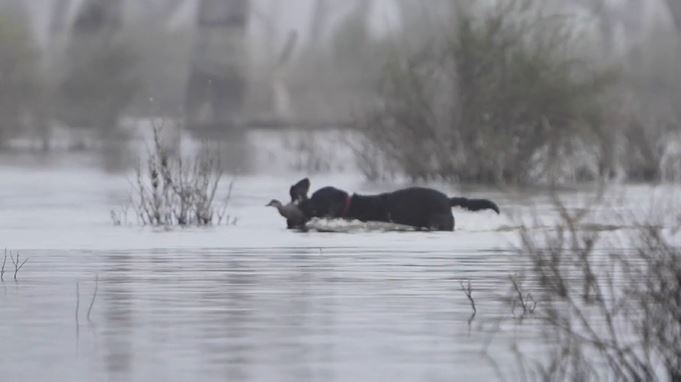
column 251, row 301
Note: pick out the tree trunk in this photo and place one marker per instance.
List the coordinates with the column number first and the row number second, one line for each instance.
column 99, row 16
column 318, row 22
column 98, row 83
column 158, row 11
column 675, row 13
column 59, row 17
column 216, row 88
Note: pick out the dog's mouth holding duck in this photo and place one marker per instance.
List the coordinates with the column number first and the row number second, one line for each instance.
column 409, row 209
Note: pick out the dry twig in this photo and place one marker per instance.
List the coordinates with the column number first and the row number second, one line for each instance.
column 94, row 296
column 468, row 291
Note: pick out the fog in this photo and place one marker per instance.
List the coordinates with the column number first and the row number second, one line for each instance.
column 144, row 144
column 96, row 72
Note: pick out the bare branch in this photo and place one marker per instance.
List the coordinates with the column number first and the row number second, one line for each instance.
column 468, row 291
column 94, row 296
column 77, row 300
column 526, row 301
column 17, row 264
column 2, row 272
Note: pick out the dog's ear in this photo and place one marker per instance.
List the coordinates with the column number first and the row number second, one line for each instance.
column 299, row 190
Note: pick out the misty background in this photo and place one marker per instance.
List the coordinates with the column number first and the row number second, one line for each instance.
column 497, row 92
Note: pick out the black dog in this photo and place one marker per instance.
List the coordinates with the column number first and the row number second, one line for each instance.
column 423, row 208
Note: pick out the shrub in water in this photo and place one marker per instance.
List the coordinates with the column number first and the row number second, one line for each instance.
column 173, row 191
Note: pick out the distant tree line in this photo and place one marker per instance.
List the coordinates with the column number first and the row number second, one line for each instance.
column 522, row 93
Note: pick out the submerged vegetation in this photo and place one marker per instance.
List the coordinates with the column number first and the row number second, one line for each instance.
column 16, row 261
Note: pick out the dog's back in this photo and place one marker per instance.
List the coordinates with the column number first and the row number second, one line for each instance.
column 420, row 207
column 429, row 208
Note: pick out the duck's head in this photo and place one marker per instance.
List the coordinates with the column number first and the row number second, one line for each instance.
column 274, row 203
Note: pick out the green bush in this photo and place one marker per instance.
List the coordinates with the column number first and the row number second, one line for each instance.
column 503, row 99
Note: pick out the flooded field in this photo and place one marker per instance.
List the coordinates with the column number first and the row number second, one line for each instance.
column 114, row 114
column 253, row 301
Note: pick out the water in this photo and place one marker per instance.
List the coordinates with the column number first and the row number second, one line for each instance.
column 254, row 301
column 256, row 314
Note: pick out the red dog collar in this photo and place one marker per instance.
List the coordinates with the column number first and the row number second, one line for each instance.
column 348, row 202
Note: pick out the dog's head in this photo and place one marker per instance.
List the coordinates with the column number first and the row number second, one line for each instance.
column 327, row 202
column 299, row 191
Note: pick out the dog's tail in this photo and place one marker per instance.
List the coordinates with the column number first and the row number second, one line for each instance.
column 474, row 204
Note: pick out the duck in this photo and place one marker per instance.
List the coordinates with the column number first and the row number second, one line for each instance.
column 293, row 214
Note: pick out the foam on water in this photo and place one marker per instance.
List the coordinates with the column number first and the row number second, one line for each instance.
column 355, row 226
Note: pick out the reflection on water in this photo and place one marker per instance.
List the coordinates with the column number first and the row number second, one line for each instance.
column 267, row 314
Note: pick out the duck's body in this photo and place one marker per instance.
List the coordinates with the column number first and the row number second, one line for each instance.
column 293, row 214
